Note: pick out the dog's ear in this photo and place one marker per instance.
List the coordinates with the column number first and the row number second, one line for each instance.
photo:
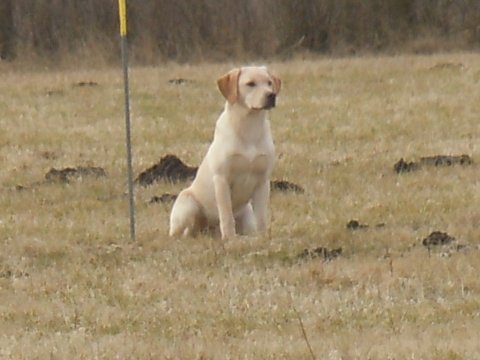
column 228, row 85
column 277, row 84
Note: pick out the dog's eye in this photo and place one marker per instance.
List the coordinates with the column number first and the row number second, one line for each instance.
column 251, row 83
column 269, row 82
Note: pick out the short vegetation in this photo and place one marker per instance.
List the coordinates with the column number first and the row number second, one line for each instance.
column 73, row 285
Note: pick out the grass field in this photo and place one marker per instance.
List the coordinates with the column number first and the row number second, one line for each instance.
column 73, row 286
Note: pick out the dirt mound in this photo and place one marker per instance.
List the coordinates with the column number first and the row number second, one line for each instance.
column 285, row 186
column 403, row 166
column 448, row 66
column 67, row 174
column 170, row 168
column 437, row 238
column 8, row 274
column 85, row 84
column 446, row 160
column 164, row 199
column 320, row 252
column 179, row 81
column 356, row 225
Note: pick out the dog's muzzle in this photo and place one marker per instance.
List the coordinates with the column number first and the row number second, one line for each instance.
column 270, row 101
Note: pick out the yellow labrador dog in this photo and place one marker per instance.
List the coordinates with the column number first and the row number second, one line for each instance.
column 232, row 185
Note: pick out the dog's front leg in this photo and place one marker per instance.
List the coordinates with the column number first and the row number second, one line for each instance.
column 224, row 206
column 260, row 206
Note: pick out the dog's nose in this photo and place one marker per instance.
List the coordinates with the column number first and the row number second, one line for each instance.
column 271, row 98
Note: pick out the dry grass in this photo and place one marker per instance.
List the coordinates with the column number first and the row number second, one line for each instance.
column 56, row 32
column 73, row 286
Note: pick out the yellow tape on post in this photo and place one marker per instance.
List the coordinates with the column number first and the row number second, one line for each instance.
column 122, row 12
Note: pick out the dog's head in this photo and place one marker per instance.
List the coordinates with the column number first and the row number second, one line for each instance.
column 253, row 87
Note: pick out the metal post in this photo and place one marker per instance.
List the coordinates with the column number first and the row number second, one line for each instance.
column 122, row 7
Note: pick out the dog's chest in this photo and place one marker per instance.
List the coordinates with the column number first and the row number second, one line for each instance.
column 251, row 161
column 248, row 170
